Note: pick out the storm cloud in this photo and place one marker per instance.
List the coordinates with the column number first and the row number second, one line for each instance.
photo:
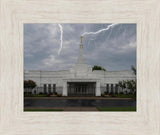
column 114, row 49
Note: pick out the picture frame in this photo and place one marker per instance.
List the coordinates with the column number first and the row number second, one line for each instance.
column 14, row 121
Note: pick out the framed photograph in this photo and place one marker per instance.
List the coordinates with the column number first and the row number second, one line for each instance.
column 94, row 72
column 79, row 67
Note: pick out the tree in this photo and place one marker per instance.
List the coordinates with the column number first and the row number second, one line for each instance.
column 134, row 69
column 131, row 85
column 134, row 82
column 95, row 67
column 122, row 84
column 29, row 84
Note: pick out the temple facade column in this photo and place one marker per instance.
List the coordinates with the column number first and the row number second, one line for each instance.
column 65, row 92
column 98, row 91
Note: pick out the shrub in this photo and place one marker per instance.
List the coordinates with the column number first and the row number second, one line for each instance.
column 121, row 93
column 59, row 95
column 55, row 93
column 103, row 95
column 48, row 95
column 130, row 93
column 106, row 92
column 126, row 92
column 34, row 91
column 116, row 92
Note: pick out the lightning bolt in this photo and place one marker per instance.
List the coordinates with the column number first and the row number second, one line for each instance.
column 85, row 33
column 105, row 29
column 61, row 38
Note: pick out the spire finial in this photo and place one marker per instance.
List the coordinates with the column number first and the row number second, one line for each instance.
column 81, row 39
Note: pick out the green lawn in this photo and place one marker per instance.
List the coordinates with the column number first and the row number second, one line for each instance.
column 42, row 110
column 42, row 95
column 98, row 108
column 116, row 108
column 125, row 96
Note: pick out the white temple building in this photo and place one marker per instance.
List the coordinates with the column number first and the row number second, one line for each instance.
column 79, row 80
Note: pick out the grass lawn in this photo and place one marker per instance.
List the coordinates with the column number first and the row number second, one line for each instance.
column 125, row 96
column 42, row 110
column 98, row 108
column 116, row 108
column 42, row 95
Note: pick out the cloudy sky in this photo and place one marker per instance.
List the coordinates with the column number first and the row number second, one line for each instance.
column 114, row 49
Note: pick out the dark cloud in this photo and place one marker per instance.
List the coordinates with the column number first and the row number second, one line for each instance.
column 114, row 49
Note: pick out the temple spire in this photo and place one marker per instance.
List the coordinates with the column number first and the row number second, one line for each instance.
column 81, row 39
column 81, row 58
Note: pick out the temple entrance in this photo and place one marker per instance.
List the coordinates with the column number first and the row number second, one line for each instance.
column 81, row 88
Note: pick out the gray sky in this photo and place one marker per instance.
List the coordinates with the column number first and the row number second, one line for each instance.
column 114, row 49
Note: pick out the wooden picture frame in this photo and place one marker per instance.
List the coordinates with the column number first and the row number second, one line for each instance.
column 145, row 121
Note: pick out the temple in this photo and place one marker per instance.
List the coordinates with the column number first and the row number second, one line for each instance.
column 79, row 80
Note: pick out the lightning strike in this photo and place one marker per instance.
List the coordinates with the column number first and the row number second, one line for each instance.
column 85, row 33
column 61, row 38
column 105, row 29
